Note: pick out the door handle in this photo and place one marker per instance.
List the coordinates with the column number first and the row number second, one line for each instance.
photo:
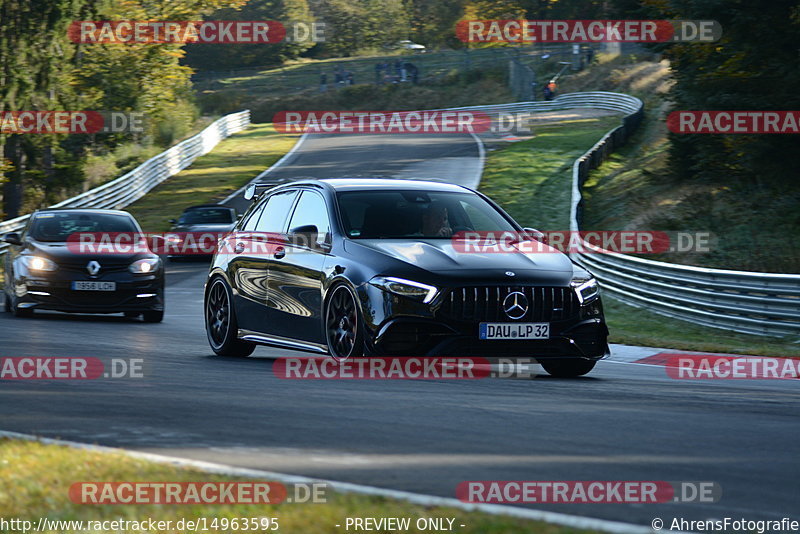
column 239, row 248
column 280, row 252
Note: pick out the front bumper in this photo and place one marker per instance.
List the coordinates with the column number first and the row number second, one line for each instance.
column 398, row 326
column 133, row 294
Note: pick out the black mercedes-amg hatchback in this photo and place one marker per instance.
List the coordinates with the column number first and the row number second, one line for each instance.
column 85, row 261
column 360, row 267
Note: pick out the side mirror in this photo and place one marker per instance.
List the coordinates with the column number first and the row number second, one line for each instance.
column 536, row 235
column 250, row 192
column 12, row 238
column 306, row 236
column 173, row 221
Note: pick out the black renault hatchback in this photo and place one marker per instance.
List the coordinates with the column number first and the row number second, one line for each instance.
column 48, row 267
column 352, row 267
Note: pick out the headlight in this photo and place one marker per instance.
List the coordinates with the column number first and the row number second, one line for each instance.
column 405, row 288
column 585, row 287
column 38, row 263
column 147, row 265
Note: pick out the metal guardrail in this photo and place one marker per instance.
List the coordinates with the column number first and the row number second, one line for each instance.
column 749, row 302
column 135, row 184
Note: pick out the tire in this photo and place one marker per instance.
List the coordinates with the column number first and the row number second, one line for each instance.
column 344, row 330
column 221, row 324
column 567, row 368
column 154, row 316
column 7, row 301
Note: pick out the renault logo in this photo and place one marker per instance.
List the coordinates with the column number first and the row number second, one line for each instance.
column 515, row 305
column 93, row 267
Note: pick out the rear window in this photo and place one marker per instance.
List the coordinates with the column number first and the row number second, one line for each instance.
column 57, row 227
column 207, row 216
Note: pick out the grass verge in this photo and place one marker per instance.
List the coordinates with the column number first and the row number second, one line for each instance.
column 532, row 181
column 753, row 220
column 35, row 480
column 233, row 162
column 630, row 325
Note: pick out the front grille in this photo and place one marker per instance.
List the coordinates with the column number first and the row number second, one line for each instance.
column 80, row 268
column 486, row 303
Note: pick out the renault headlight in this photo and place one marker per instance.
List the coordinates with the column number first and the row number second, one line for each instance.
column 585, row 287
column 144, row 266
column 38, row 263
column 405, row 288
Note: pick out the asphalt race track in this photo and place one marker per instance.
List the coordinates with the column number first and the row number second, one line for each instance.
column 626, row 421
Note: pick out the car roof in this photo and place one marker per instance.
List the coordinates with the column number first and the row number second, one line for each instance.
column 201, row 206
column 370, row 184
column 83, row 210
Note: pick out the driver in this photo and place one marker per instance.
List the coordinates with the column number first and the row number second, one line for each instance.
column 435, row 222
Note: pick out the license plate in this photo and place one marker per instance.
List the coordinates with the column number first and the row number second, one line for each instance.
column 514, row 331
column 94, row 286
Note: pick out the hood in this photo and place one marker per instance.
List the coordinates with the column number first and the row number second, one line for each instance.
column 440, row 256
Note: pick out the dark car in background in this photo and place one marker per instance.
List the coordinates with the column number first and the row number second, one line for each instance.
column 370, row 267
column 198, row 221
column 46, row 269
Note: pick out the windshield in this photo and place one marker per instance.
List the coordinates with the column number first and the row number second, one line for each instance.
column 57, row 227
column 410, row 214
column 207, row 216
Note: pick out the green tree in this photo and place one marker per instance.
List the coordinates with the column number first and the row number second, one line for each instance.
column 41, row 69
column 227, row 56
column 755, row 66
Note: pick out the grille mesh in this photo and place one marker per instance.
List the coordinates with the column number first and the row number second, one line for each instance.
column 485, row 303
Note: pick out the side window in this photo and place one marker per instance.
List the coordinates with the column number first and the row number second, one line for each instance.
column 273, row 219
column 311, row 210
column 252, row 219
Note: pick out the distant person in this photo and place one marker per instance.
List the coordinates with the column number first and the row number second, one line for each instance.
column 349, row 77
column 412, row 71
column 379, row 73
column 338, row 76
column 590, row 56
column 323, row 81
column 550, row 90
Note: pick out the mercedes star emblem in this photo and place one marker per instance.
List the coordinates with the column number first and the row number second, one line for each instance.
column 515, row 305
